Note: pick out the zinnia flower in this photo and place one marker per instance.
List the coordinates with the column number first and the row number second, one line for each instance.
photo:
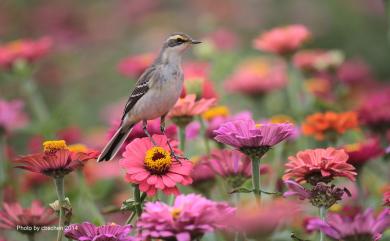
column 57, row 160
column 134, row 66
column 361, row 227
column 188, row 107
column 318, row 60
column 190, row 217
column 89, row 232
column 12, row 115
column 374, row 111
column 360, row 153
column 250, row 138
column 319, row 165
column 329, row 124
column 233, row 165
column 152, row 167
column 153, row 128
column 386, row 198
column 257, row 76
column 24, row 49
column 217, row 121
column 282, row 40
column 355, row 72
column 15, row 217
column 202, row 174
column 260, row 222
column 197, row 82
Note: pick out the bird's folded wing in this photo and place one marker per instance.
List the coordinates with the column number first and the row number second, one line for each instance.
column 141, row 88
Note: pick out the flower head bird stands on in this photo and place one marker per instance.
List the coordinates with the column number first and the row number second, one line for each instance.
column 155, row 93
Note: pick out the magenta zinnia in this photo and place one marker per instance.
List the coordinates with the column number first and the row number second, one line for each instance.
column 89, row 232
column 153, row 168
column 190, row 217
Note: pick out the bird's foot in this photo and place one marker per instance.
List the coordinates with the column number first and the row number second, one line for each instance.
column 177, row 157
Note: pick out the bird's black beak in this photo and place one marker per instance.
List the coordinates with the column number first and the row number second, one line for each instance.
column 195, row 41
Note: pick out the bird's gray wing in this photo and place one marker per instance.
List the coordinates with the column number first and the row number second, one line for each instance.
column 142, row 86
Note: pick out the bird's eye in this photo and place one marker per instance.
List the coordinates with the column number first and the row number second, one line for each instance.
column 180, row 40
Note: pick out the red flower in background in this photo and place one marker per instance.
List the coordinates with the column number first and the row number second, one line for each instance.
column 196, row 80
column 282, row 40
column 257, row 76
column 135, row 65
column 24, row 49
column 224, row 39
column 360, row 153
column 318, row 60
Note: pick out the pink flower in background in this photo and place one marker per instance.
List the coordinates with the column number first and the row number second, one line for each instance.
column 282, row 40
column 355, row 72
column 224, row 39
column 360, row 153
column 32, row 180
column 318, row 60
column 216, row 122
column 257, row 76
column 190, row 217
column 386, row 197
column 319, row 165
column 101, row 171
column 262, row 221
column 152, row 167
column 189, row 106
column 245, row 133
column 12, row 115
column 374, row 110
column 71, row 134
column 362, row 226
column 138, row 132
column 202, row 170
column 134, row 66
column 88, row 232
column 13, row 215
column 196, row 80
column 192, row 130
column 24, row 49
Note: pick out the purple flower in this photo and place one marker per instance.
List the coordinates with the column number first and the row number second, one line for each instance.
column 253, row 139
column 295, row 189
column 188, row 219
column 216, row 122
column 192, row 130
column 361, row 227
column 89, row 232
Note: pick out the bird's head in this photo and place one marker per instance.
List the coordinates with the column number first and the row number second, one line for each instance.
column 178, row 42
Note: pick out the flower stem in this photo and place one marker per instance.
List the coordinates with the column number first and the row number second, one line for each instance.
column 256, row 179
column 182, row 138
column 59, row 182
column 206, row 140
column 3, row 161
column 31, row 237
column 38, row 106
column 322, row 211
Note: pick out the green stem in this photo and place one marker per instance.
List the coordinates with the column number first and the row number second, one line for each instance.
column 137, row 197
column 38, row 106
column 256, row 179
column 59, row 182
column 3, row 161
column 182, row 138
column 322, row 211
column 203, row 131
column 31, row 237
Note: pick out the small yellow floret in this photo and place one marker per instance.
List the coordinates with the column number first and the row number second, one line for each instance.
column 49, row 146
column 335, row 208
column 175, row 212
column 78, row 148
column 158, row 160
column 277, row 119
column 217, row 111
column 352, row 147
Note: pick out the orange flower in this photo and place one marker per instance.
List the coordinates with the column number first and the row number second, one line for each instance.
column 321, row 124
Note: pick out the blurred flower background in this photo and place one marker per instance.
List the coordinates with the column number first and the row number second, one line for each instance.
column 319, row 69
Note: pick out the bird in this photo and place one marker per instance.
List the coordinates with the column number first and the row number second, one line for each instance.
column 155, row 93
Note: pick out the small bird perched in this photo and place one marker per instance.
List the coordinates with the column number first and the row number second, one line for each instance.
column 156, row 92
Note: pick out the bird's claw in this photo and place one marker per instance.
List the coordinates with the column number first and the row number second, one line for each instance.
column 177, row 158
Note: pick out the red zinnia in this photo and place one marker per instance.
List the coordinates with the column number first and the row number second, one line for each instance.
column 319, row 165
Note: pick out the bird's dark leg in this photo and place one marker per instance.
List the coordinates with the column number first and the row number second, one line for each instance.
column 162, row 128
column 145, row 128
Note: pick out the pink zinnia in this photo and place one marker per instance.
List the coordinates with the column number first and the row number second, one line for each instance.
column 189, row 106
column 216, row 122
column 251, row 138
column 152, row 167
column 134, row 66
column 257, row 76
column 12, row 115
column 25, row 49
column 190, row 217
column 282, row 40
column 319, row 165
column 362, row 226
column 14, row 215
column 318, row 60
column 88, row 232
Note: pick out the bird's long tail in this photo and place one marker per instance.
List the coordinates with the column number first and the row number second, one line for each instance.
column 115, row 143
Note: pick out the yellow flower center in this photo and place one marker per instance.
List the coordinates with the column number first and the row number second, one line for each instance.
column 175, row 212
column 78, row 148
column 157, row 160
column 258, row 125
column 217, row 111
column 335, row 208
column 52, row 146
column 352, row 147
column 15, row 46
